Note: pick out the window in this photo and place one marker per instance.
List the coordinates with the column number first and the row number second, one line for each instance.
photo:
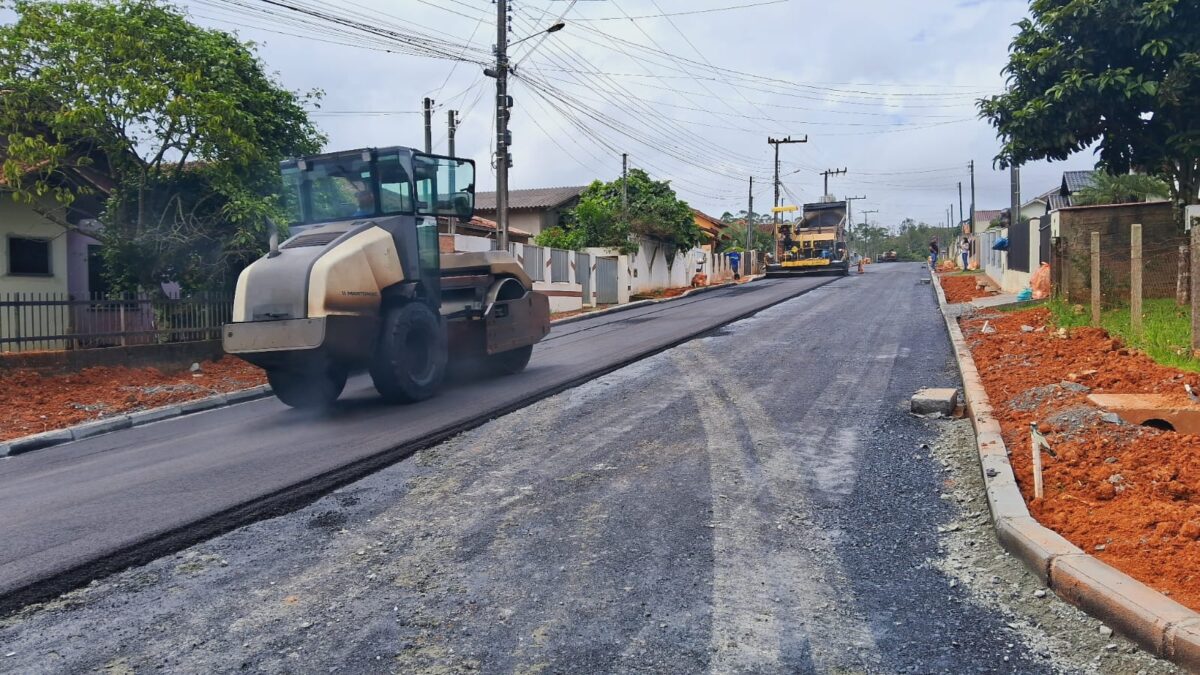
column 395, row 189
column 445, row 186
column 28, row 257
column 332, row 188
column 97, row 282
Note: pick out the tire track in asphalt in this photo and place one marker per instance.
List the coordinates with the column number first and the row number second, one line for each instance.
column 766, row 591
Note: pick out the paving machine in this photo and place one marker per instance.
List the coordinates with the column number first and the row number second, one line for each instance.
column 814, row 243
column 362, row 285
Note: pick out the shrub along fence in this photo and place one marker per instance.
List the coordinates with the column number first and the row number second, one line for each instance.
column 59, row 321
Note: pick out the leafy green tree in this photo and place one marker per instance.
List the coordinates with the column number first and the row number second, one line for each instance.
column 1121, row 189
column 1123, row 74
column 184, row 120
column 654, row 211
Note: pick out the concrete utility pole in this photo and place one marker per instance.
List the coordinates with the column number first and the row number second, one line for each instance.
column 502, row 139
column 850, row 209
column 750, row 217
column 831, row 172
column 625, row 188
column 1014, row 179
column 972, row 167
column 960, row 202
column 451, row 127
column 775, row 221
column 428, row 124
column 866, row 213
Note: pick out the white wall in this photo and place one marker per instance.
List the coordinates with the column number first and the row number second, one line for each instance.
column 21, row 220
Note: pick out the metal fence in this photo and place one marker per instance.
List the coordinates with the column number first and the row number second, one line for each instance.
column 607, row 292
column 58, row 321
column 583, row 271
column 535, row 262
column 560, row 265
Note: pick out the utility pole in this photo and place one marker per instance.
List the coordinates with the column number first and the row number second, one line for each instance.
column 960, row 210
column 502, row 141
column 775, row 220
column 625, row 188
column 972, row 167
column 428, row 124
column 874, row 254
column 750, row 217
column 831, row 172
column 1014, row 179
column 451, row 127
column 850, row 209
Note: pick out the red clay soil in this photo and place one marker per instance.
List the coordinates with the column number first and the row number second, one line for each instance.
column 34, row 402
column 962, row 288
column 1129, row 495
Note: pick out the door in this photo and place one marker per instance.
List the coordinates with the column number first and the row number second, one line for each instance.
column 606, row 281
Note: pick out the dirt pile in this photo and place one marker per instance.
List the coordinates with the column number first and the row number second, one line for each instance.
column 962, row 288
column 34, row 403
column 1127, row 494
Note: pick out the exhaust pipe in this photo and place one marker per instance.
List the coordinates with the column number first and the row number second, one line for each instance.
column 273, row 239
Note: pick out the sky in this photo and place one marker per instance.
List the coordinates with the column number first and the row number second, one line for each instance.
column 884, row 89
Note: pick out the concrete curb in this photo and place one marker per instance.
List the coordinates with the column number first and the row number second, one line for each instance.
column 646, row 303
column 1160, row 625
column 79, row 432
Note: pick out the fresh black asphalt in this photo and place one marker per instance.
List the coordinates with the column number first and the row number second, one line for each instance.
column 73, row 512
column 757, row 500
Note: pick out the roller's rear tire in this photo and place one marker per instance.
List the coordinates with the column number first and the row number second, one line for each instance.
column 410, row 360
column 510, row 362
column 307, row 390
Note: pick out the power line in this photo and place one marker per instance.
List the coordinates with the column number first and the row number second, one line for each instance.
column 695, row 11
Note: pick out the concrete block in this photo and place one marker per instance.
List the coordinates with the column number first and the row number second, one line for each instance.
column 39, row 441
column 206, row 403
column 155, row 414
column 932, row 401
column 1034, row 544
column 1183, row 644
column 1005, row 499
column 98, row 427
column 5, row 449
column 1130, row 607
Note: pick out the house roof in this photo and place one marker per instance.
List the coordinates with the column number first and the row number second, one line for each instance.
column 1057, row 201
column 490, row 226
column 1073, row 181
column 535, row 198
column 988, row 216
column 709, row 225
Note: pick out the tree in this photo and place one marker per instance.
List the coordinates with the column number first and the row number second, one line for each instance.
column 654, row 211
column 184, row 121
column 1123, row 189
column 1124, row 74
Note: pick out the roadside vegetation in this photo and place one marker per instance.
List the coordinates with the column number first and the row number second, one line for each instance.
column 1166, row 335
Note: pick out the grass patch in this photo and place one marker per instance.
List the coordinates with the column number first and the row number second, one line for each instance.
column 1166, row 334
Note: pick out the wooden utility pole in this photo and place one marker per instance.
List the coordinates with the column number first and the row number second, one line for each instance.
column 1096, row 279
column 502, row 135
column 1135, row 279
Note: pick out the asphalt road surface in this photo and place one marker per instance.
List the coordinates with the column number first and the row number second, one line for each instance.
column 757, row 500
column 73, row 512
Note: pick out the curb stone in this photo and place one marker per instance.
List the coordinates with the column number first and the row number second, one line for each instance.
column 1157, row 623
column 105, row 425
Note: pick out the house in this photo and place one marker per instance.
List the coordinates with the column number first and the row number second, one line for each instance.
column 1074, row 181
column 532, row 210
column 984, row 218
column 48, row 248
column 480, row 228
column 710, row 227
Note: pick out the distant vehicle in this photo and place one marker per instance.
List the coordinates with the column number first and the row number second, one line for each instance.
column 817, row 243
column 889, row 256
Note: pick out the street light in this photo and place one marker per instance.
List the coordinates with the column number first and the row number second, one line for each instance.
column 552, row 29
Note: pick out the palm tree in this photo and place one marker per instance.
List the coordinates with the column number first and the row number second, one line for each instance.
column 1128, row 188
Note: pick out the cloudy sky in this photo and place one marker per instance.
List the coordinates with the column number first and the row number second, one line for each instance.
column 884, row 88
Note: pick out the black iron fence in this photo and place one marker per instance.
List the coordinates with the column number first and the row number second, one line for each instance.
column 59, row 321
